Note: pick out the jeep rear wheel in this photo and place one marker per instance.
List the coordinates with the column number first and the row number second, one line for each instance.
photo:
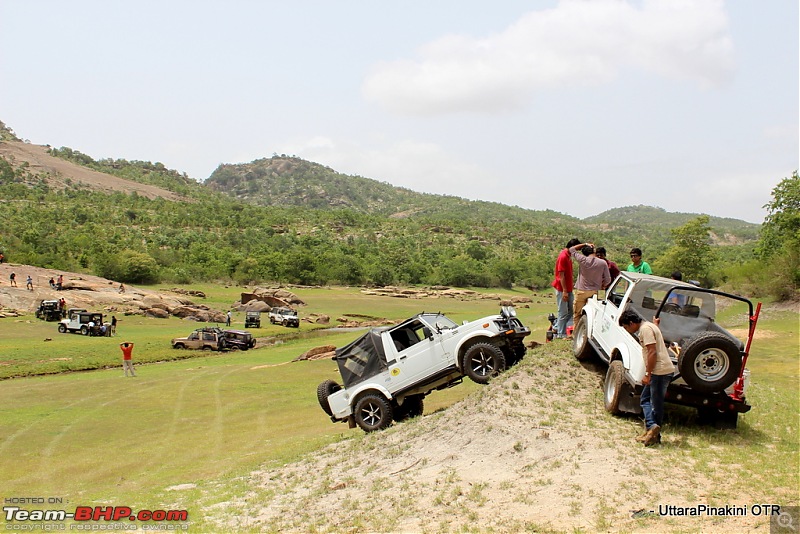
column 85, row 330
column 710, row 362
column 325, row 390
column 612, row 387
column 373, row 412
column 581, row 347
column 482, row 361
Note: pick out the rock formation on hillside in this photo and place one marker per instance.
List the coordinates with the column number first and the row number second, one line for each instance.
column 95, row 294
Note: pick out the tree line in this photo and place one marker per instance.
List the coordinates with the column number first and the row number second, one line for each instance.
column 215, row 237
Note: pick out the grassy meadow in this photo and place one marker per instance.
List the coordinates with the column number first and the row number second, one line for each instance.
column 205, row 421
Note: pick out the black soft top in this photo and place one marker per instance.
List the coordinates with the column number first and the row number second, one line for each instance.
column 362, row 359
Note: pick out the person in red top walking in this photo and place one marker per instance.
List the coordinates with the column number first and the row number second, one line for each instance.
column 127, row 363
column 563, row 285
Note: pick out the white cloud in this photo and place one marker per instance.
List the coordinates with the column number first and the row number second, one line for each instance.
column 579, row 42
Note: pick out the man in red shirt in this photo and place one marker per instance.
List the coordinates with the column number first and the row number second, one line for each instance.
column 563, row 285
column 127, row 364
column 613, row 269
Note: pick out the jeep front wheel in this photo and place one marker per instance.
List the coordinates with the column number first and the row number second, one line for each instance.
column 373, row 412
column 62, row 328
column 482, row 361
column 612, row 387
column 325, row 390
column 581, row 347
column 710, row 362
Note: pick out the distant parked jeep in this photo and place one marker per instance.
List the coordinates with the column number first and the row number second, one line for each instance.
column 239, row 339
column 388, row 371
column 86, row 323
column 210, row 338
column 284, row 316
column 252, row 319
column 49, row 310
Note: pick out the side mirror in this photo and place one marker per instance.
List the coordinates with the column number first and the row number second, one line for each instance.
column 427, row 332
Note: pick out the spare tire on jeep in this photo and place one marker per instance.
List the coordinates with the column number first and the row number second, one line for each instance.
column 324, row 390
column 710, row 362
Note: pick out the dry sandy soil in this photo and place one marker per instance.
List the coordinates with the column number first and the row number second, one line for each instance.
column 534, row 451
column 59, row 170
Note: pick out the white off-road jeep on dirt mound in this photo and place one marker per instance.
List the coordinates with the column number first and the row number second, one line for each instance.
column 388, row 371
column 709, row 360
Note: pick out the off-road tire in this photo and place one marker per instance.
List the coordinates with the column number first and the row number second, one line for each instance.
column 482, row 361
column 612, row 386
column 581, row 347
column 62, row 328
column 412, row 406
column 373, row 412
column 179, row 346
column 325, row 390
column 709, row 362
column 85, row 330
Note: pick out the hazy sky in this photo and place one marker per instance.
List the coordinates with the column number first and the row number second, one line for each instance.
column 574, row 105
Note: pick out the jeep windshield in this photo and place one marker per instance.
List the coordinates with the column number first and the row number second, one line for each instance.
column 438, row 321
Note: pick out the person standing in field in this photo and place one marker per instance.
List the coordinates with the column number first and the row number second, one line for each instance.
column 127, row 362
column 12, row 279
column 637, row 265
column 228, row 318
column 29, row 283
column 613, row 269
column 658, row 373
column 563, row 284
column 593, row 275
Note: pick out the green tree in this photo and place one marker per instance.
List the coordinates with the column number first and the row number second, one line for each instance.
column 692, row 253
column 779, row 244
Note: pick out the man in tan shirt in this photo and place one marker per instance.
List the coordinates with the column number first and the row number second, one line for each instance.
column 658, row 373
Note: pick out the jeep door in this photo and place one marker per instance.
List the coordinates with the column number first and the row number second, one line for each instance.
column 418, row 354
column 606, row 327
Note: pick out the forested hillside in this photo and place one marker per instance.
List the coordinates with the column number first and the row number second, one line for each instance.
column 287, row 220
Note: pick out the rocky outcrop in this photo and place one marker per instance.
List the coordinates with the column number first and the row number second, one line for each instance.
column 324, row 352
column 442, row 292
column 264, row 299
column 95, row 294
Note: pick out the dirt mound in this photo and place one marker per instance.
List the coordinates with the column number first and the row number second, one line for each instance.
column 95, row 294
column 59, row 171
column 534, row 451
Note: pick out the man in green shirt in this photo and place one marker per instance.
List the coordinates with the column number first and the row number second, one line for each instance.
column 637, row 265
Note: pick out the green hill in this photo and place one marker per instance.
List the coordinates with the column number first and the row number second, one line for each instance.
column 284, row 219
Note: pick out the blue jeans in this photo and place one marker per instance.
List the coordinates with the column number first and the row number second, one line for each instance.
column 652, row 399
column 564, row 313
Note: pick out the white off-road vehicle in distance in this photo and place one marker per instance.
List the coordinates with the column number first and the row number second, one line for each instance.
column 709, row 360
column 388, row 371
column 284, row 316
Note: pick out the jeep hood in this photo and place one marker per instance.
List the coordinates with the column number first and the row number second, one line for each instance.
column 362, row 359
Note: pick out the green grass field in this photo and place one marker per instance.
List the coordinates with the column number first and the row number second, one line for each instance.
column 97, row 438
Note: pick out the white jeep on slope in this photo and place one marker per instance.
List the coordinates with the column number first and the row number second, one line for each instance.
column 388, row 371
column 709, row 360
